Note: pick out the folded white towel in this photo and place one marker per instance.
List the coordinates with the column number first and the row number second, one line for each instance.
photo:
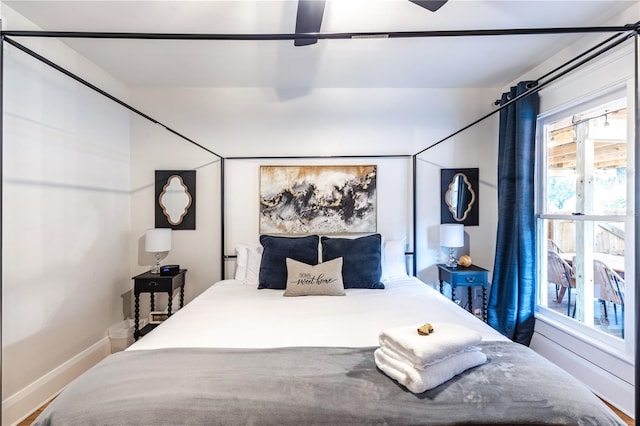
column 420, row 351
column 401, row 358
column 432, row 376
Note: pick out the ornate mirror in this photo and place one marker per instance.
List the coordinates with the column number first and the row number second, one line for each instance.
column 175, row 199
column 459, row 204
column 460, row 197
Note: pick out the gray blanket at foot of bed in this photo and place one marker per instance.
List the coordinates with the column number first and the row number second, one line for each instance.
column 305, row 386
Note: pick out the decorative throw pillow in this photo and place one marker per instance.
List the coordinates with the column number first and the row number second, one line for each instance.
column 362, row 256
column 323, row 279
column 275, row 250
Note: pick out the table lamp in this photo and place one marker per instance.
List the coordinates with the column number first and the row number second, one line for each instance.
column 157, row 241
column 451, row 236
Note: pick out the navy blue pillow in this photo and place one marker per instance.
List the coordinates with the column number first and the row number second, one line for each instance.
column 361, row 259
column 273, row 266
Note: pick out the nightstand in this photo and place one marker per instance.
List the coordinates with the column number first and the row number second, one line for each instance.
column 155, row 283
column 470, row 276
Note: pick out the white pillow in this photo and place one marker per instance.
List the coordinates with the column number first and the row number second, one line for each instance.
column 248, row 258
column 323, row 279
column 394, row 263
column 241, row 262
column 254, row 257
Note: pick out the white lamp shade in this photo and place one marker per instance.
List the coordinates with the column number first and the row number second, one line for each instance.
column 452, row 235
column 157, row 240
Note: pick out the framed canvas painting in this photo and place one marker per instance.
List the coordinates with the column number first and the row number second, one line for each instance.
column 317, row 199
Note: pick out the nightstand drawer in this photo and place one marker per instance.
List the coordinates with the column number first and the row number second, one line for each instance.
column 153, row 285
column 156, row 283
column 469, row 278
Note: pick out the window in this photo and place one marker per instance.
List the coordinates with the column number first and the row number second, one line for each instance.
column 584, row 219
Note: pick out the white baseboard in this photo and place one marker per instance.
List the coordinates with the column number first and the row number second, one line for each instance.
column 20, row 405
column 606, row 385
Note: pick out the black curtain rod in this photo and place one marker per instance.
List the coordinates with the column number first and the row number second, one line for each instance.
column 321, row 36
column 535, row 88
column 102, row 92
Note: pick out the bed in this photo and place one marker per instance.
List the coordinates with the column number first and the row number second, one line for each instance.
column 239, row 354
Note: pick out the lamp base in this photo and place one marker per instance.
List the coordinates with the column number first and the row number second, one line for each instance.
column 451, row 262
column 155, row 269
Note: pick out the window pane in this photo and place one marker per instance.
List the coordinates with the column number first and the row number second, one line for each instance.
column 586, row 157
column 585, row 272
column 610, row 192
column 608, row 136
column 561, row 193
column 561, row 166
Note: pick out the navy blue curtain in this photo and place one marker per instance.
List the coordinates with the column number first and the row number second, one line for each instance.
column 513, row 291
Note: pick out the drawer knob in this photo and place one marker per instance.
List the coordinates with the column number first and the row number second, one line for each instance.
column 471, row 279
column 153, row 284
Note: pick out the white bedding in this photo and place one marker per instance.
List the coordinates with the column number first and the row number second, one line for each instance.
column 231, row 314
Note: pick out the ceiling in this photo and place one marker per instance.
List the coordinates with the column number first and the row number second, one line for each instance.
column 460, row 62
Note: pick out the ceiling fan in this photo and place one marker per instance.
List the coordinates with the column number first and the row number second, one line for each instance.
column 309, row 16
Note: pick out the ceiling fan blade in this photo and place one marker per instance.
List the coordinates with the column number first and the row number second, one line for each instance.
column 431, row 5
column 308, row 20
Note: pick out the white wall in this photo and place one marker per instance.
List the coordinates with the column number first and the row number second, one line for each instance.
column 199, row 251
column 393, row 193
column 322, row 122
column 65, row 224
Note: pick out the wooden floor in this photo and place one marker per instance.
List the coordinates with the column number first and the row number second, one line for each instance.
column 628, row 420
column 32, row 417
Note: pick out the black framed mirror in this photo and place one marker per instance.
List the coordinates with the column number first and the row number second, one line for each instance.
column 459, row 196
column 175, row 199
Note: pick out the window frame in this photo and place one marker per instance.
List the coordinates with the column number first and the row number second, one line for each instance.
column 607, row 342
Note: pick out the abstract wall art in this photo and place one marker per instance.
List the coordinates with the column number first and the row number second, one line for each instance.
column 317, row 199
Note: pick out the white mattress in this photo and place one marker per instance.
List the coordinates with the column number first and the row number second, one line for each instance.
column 231, row 314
